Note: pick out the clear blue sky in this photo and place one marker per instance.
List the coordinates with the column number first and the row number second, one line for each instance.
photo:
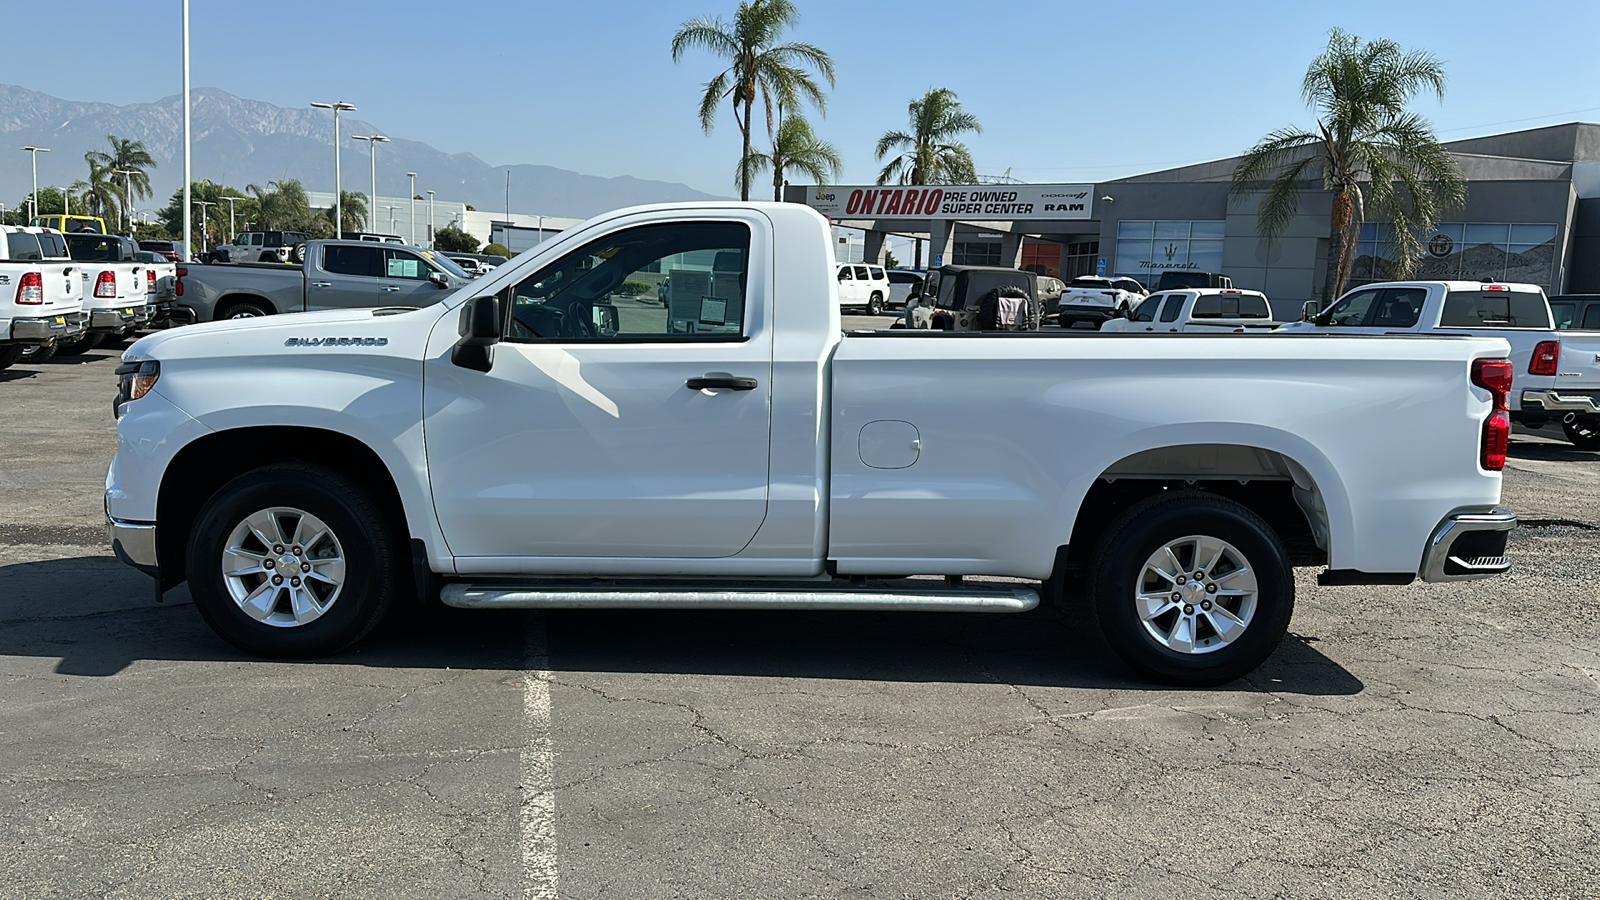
column 1067, row 91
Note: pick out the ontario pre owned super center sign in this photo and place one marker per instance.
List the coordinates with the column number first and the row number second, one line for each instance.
column 953, row 201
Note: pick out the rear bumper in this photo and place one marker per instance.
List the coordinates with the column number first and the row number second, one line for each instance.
column 1085, row 313
column 1468, row 545
column 47, row 328
column 118, row 319
column 1555, row 401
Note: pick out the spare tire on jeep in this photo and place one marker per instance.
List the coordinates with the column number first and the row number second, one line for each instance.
column 1008, row 308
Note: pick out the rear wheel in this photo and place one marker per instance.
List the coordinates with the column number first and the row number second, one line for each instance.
column 292, row 561
column 9, row 354
column 39, row 353
column 243, row 309
column 1583, row 432
column 1191, row 588
column 875, row 304
column 79, row 345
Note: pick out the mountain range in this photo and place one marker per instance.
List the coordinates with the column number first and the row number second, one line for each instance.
column 239, row 141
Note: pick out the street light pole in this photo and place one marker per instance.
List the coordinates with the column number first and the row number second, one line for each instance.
column 373, row 140
column 413, row 196
column 34, row 203
column 338, row 183
column 430, row 220
column 127, row 193
column 188, row 176
column 230, row 213
column 391, row 208
column 203, row 204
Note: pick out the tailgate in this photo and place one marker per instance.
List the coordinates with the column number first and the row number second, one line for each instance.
column 1579, row 367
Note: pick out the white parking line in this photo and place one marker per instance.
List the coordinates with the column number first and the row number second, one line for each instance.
column 538, row 787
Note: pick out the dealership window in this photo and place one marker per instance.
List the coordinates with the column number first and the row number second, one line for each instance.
column 1147, row 247
column 1464, row 251
column 977, row 253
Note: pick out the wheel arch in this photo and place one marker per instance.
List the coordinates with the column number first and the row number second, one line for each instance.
column 198, row 470
column 1279, row 476
column 227, row 300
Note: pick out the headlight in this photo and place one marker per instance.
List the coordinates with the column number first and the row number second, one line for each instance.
column 135, row 378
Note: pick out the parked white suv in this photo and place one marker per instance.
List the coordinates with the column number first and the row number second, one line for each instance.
column 1096, row 299
column 864, row 287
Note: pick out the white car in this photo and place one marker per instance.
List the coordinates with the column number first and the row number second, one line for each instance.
column 1097, row 300
column 863, row 287
column 525, row 443
column 1201, row 309
column 903, row 285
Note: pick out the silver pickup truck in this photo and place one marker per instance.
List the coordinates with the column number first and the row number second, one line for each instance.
column 334, row 275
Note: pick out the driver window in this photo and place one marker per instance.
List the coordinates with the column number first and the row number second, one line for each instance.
column 400, row 264
column 673, row 281
column 1352, row 310
column 844, row 274
column 1146, row 310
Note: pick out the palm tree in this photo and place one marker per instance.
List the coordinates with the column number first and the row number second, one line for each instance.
column 354, row 209
column 127, row 164
column 794, row 146
column 97, row 196
column 283, row 205
column 930, row 152
column 1371, row 154
column 758, row 66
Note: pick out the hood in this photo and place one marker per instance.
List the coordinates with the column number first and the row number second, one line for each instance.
column 353, row 329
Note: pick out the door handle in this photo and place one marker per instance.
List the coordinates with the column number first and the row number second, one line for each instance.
column 322, row 284
column 731, row 382
column 391, row 289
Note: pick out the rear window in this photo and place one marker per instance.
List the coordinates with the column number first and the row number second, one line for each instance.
column 1563, row 313
column 53, row 245
column 877, row 273
column 1090, row 282
column 1591, row 317
column 903, row 278
column 1495, row 309
column 1230, row 306
column 93, row 247
column 23, row 247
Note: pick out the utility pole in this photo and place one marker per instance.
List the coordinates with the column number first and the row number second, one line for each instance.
column 230, row 214
column 188, row 177
column 430, row 220
column 508, row 207
column 127, row 194
column 203, row 204
column 413, row 196
column 338, row 183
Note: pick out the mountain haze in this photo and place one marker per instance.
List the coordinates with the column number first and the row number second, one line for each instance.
column 239, row 141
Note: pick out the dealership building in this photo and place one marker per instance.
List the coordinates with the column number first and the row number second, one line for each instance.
column 1532, row 215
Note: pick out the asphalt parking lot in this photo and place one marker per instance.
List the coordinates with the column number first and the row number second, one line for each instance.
column 1426, row 741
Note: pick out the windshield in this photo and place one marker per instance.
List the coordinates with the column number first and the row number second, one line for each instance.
column 445, row 263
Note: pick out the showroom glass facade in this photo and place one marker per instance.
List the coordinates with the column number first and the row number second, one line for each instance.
column 1465, row 251
column 1146, row 247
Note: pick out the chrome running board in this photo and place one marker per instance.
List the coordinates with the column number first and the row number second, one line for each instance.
column 482, row 596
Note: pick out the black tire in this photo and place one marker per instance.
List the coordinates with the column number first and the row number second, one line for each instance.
column 875, row 304
column 9, row 354
column 371, row 551
column 1117, row 574
column 1583, row 432
column 267, row 257
column 39, row 354
column 243, row 309
column 80, row 345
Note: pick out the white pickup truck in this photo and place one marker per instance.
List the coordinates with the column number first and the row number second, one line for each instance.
column 305, row 473
column 116, row 288
column 1557, row 374
column 41, row 294
column 1197, row 310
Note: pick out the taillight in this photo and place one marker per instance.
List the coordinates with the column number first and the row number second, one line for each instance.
column 1494, row 376
column 1546, row 358
column 150, row 280
column 30, row 290
column 105, row 285
column 177, row 286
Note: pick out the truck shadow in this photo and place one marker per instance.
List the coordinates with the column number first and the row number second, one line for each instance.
column 1544, row 450
column 98, row 617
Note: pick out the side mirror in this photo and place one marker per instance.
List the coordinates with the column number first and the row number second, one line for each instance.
column 480, row 330
column 1308, row 312
column 439, row 279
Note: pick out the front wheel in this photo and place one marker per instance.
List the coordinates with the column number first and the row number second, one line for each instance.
column 1584, row 432
column 1191, row 588
column 875, row 304
column 292, row 561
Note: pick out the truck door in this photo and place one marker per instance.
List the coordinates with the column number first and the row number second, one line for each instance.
column 406, row 280
column 847, row 288
column 1376, row 311
column 610, row 425
column 346, row 277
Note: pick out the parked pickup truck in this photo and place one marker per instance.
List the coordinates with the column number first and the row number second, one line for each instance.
column 1203, row 310
column 41, row 294
column 116, row 288
column 498, row 449
column 1557, row 374
column 334, row 275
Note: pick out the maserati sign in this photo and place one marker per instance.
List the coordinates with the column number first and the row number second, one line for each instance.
column 953, row 201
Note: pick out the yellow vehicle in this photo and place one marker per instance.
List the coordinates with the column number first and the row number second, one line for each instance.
column 71, row 223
